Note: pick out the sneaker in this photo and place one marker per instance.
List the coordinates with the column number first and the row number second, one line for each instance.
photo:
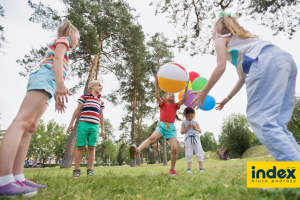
column 17, row 188
column 90, row 172
column 133, row 151
column 76, row 173
column 202, row 170
column 32, row 184
column 189, row 171
column 173, row 172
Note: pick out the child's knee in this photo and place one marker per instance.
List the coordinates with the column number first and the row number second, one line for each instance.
column 24, row 123
column 174, row 149
column 80, row 148
column 152, row 138
column 91, row 148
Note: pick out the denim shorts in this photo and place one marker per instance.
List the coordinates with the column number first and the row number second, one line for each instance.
column 42, row 79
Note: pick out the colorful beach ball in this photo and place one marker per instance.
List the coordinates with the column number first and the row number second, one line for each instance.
column 172, row 77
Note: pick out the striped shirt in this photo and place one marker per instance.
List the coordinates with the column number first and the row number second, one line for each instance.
column 91, row 108
column 48, row 58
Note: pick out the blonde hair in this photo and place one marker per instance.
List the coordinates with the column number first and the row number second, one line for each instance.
column 65, row 29
column 93, row 83
column 226, row 25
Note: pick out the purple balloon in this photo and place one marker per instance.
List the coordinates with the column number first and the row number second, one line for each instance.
column 189, row 99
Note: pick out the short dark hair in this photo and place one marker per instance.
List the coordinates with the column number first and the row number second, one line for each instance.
column 188, row 110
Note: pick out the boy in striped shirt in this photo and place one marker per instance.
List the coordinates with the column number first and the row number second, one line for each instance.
column 90, row 107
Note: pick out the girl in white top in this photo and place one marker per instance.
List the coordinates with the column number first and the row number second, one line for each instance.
column 191, row 129
column 270, row 76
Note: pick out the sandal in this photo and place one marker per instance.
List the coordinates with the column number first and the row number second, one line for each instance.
column 90, row 172
column 76, row 173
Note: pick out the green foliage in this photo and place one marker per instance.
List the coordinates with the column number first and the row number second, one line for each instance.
column 208, row 141
column 2, row 38
column 101, row 24
column 106, row 149
column 294, row 124
column 121, row 154
column 236, row 134
column 195, row 18
column 47, row 141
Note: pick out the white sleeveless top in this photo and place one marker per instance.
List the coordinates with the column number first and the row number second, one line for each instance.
column 242, row 52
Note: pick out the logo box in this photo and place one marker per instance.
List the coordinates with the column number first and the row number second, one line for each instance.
column 273, row 174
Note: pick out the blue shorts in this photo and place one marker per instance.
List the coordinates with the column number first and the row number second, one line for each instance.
column 42, row 79
column 167, row 130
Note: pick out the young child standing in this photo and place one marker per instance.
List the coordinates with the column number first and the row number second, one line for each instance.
column 43, row 84
column 166, row 127
column 270, row 76
column 90, row 107
column 191, row 128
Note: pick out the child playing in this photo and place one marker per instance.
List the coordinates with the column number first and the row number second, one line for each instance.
column 43, row 84
column 91, row 108
column 270, row 84
column 192, row 141
column 166, row 127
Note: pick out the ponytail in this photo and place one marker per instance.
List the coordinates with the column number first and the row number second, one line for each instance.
column 65, row 29
column 227, row 24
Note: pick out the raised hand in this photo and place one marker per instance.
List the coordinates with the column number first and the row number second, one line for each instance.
column 199, row 98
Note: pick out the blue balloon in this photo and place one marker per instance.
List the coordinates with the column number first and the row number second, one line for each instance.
column 209, row 103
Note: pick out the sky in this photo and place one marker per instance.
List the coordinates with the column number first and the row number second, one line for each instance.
column 23, row 35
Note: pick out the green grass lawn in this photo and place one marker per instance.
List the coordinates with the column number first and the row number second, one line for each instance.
column 222, row 180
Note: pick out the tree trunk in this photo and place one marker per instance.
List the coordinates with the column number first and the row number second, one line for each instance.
column 158, row 153
column 147, row 155
column 154, row 157
column 69, row 149
column 132, row 164
column 138, row 159
column 164, row 152
column 125, row 151
column 142, row 158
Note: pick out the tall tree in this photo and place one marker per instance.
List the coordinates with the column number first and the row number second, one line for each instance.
column 132, row 76
column 102, row 25
column 195, row 18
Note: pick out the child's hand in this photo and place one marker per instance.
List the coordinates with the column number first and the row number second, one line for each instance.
column 103, row 134
column 70, row 128
column 195, row 127
column 61, row 92
column 156, row 80
column 189, row 126
column 60, row 107
column 222, row 104
column 199, row 98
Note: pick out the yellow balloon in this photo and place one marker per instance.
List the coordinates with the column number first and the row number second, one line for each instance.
column 180, row 94
column 190, row 85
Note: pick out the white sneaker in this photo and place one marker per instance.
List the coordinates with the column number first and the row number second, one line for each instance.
column 202, row 170
column 189, row 171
